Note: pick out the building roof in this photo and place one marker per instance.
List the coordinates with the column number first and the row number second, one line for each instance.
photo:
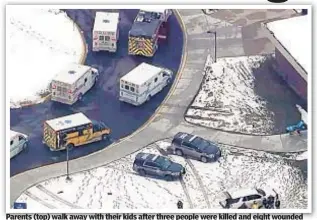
column 295, row 36
column 106, row 21
column 145, row 25
column 141, row 74
column 69, row 121
column 71, row 73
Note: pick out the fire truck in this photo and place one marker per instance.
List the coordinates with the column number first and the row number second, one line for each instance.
column 150, row 27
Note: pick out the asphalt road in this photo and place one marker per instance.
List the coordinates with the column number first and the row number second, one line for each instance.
column 101, row 103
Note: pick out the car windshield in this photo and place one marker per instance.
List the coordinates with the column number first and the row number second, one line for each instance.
column 163, row 162
column 200, row 143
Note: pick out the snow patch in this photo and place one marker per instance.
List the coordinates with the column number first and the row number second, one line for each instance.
column 302, row 156
column 36, row 51
column 227, row 99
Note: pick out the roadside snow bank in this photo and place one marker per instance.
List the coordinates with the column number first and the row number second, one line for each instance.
column 39, row 43
column 302, row 156
column 227, row 99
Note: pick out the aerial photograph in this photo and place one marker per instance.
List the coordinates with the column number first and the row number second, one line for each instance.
column 158, row 109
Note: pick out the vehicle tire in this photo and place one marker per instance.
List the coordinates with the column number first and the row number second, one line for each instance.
column 142, row 172
column 148, row 98
column 168, row 81
column 105, row 137
column 168, row 177
column 203, row 159
column 179, row 152
column 80, row 97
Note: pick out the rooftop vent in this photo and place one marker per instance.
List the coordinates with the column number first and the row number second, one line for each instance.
column 71, row 71
column 105, row 21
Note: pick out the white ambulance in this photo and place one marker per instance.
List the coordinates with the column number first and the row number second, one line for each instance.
column 18, row 142
column 106, row 31
column 143, row 82
column 70, row 84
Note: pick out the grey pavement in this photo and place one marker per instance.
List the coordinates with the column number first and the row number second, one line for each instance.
column 169, row 118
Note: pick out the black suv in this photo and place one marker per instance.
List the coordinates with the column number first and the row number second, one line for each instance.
column 156, row 165
column 184, row 144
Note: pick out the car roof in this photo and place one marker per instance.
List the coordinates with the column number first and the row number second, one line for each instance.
column 243, row 193
column 184, row 136
column 13, row 134
column 144, row 25
column 106, row 21
column 68, row 121
column 71, row 73
column 145, row 156
column 141, row 74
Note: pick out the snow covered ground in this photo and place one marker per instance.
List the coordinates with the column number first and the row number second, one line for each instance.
column 116, row 186
column 39, row 43
column 227, row 99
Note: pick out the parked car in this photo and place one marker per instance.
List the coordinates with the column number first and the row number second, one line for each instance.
column 18, row 142
column 184, row 144
column 156, row 165
column 246, row 197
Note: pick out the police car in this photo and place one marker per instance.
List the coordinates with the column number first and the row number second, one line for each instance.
column 156, row 165
column 184, row 144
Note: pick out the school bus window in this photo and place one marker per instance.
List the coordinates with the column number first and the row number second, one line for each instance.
column 127, row 87
column 132, row 89
column 101, row 38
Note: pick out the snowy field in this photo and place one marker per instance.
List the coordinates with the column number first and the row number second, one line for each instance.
column 40, row 42
column 227, row 99
column 116, row 186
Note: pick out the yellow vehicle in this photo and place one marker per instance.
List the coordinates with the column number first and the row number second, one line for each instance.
column 148, row 27
column 73, row 130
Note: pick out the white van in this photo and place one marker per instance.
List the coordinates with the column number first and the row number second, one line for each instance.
column 70, row 84
column 143, row 82
column 106, row 31
column 18, row 142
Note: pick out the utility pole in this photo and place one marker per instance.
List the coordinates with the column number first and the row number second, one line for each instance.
column 215, row 38
column 215, row 48
column 67, row 164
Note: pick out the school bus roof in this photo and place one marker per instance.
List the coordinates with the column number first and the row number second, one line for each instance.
column 141, row 74
column 106, row 21
column 69, row 121
column 71, row 73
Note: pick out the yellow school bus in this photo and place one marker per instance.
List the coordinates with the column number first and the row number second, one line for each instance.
column 72, row 131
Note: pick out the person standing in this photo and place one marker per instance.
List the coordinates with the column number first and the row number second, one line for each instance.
column 180, row 204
